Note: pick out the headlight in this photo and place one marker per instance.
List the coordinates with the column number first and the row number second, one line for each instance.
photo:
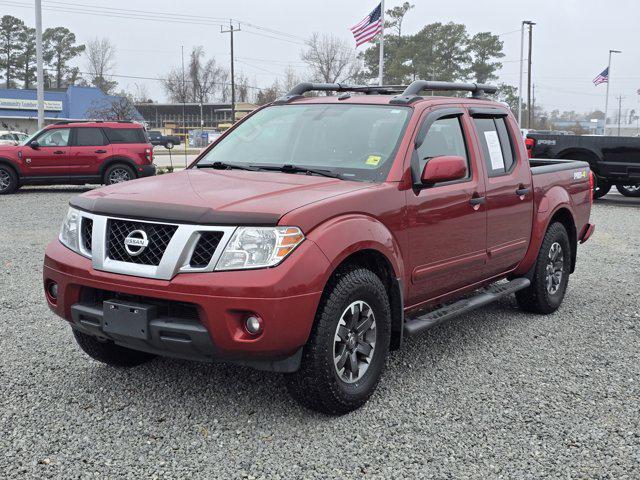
column 255, row 247
column 70, row 231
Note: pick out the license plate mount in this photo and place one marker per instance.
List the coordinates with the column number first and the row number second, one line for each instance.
column 129, row 319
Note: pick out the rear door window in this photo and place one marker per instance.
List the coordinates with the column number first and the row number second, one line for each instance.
column 126, row 135
column 90, row 137
column 497, row 147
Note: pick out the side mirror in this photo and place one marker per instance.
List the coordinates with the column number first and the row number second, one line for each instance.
column 444, row 169
column 34, row 144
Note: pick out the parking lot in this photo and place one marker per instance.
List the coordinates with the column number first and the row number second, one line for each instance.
column 495, row 394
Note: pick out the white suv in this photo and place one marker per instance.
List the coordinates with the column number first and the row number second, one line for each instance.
column 12, row 138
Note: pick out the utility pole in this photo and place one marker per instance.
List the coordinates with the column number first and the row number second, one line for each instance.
column 524, row 22
column 40, row 68
column 231, row 30
column 529, row 105
column 606, row 102
column 620, row 98
column 184, row 106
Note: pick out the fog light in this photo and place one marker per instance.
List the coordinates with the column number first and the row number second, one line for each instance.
column 53, row 290
column 253, row 324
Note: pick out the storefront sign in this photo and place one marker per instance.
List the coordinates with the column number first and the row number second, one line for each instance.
column 22, row 104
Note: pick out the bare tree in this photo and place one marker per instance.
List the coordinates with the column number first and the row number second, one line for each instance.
column 141, row 93
column 175, row 86
column 269, row 94
column 243, row 93
column 113, row 109
column 330, row 59
column 101, row 55
column 291, row 78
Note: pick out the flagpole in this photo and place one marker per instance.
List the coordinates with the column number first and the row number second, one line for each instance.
column 381, row 62
column 606, row 102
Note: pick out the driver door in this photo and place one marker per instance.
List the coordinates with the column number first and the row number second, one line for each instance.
column 51, row 158
column 447, row 221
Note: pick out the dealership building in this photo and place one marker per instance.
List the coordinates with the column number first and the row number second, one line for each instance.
column 19, row 108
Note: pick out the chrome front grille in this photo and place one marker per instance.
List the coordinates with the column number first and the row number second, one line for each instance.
column 159, row 235
column 170, row 248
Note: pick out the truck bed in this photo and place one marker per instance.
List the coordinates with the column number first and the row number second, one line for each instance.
column 568, row 178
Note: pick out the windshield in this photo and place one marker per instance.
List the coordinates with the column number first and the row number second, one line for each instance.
column 358, row 142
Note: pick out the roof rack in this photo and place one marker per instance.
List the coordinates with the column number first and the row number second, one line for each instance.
column 299, row 90
column 412, row 92
column 66, row 122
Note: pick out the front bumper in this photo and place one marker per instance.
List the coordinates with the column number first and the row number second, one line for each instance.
column 285, row 297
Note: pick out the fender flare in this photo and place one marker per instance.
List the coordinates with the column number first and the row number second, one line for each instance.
column 10, row 164
column 553, row 202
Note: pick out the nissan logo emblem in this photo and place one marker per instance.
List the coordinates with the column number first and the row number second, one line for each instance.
column 136, row 242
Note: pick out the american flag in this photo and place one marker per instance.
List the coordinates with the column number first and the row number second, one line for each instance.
column 602, row 78
column 369, row 27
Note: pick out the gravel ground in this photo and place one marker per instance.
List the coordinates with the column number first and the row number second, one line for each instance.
column 496, row 394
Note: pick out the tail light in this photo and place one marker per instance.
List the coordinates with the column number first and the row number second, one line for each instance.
column 592, row 184
column 529, row 143
column 148, row 153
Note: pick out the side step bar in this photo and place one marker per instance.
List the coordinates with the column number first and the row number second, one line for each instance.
column 487, row 296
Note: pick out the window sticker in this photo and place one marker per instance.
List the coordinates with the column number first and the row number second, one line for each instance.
column 495, row 150
column 373, row 160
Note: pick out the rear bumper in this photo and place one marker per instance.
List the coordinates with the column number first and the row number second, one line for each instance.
column 145, row 170
column 285, row 297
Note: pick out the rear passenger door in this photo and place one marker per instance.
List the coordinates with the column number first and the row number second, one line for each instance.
column 509, row 192
column 89, row 148
column 447, row 221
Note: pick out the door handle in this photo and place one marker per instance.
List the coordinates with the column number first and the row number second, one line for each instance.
column 58, row 152
column 100, row 151
column 522, row 191
column 477, row 201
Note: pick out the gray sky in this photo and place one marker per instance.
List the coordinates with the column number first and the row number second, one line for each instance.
column 571, row 40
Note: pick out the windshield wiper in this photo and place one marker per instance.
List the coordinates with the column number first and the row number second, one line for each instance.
column 228, row 166
column 288, row 168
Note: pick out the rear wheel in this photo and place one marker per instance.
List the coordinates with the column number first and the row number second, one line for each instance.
column 106, row 351
column 629, row 190
column 551, row 274
column 118, row 173
column 348, row 347
column 8, row 180
column 600, row 187
column 168, row 145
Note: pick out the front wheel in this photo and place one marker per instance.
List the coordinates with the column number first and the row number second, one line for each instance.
column 117, row 174
column 629, row 190
column 551, row 273
column 8, row 180
column 348, row 347
column 168, row 145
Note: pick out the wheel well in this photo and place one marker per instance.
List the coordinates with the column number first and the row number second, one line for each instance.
column 11, row 166
column 379, row 264
column 580, row 154
column 114, row 161
column 565, row 218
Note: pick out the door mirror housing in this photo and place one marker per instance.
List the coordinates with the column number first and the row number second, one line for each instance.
column 444, row 169
column 34, row 144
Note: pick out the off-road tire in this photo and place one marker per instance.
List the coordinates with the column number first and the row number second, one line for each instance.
column 106, row 351
column 624, row 190
column 8, row 180
column 536, row 298
column 118, row 167
column 316, row 385
column 600, row 187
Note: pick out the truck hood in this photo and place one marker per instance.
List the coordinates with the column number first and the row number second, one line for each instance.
column 214, row 197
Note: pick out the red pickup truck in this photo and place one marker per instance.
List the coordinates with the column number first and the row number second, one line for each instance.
column 73, row 152
column 316, row 233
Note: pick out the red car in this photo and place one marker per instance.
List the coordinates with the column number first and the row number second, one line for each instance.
column 77, row 153
column 316, row 233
